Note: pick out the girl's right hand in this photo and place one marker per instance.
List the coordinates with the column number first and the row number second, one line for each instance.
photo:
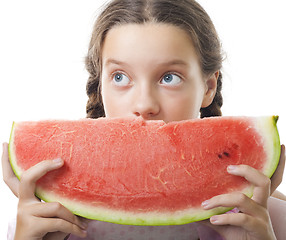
column 37, row 220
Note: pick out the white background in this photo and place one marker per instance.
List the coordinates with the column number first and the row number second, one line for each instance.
column 42, row 73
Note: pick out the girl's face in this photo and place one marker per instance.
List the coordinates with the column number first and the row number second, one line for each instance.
column 152, row 71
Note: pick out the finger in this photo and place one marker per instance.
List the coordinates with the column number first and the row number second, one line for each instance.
column 8, row 175
column 33, row 174
column 56, row 210
column 238, row 200
column 261, row 183
column 276, row 179
column 56, row 225
column 245, row 221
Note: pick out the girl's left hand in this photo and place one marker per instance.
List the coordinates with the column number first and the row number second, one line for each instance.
column 253, row 221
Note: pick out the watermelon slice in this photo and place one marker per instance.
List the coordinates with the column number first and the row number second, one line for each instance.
column 130, row 171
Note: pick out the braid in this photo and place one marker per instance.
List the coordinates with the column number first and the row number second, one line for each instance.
column 214, row 109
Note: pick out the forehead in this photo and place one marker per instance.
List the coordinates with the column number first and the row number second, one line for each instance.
column 155, row 42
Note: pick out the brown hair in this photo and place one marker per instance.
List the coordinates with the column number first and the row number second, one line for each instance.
column 186, row 14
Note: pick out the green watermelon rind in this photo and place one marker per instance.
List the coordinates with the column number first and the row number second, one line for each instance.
column 273, row 148
column 267, row 124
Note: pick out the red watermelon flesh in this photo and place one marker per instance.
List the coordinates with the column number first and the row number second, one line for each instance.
column 130, row 171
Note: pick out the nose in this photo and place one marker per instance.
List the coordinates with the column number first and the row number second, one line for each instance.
column 146, row 103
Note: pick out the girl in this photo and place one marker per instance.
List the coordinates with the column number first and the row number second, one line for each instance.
column 153, row 59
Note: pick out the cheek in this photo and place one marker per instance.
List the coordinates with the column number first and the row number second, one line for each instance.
column 185, row 106
column 115, row 104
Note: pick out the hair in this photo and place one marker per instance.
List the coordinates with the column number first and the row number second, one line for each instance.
column 186, row 14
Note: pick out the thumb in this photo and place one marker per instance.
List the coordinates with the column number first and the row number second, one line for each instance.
column 276, row 179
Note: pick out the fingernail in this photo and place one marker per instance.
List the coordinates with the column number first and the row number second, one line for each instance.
column 205, row 203
column 58, row 161
column 231, row 168
column 214, row 219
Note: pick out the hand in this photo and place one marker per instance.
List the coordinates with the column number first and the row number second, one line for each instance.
column 253, row 221
column 37, row 220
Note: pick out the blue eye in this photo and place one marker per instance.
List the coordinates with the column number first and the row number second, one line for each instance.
column 120, row 79
column 171, row 79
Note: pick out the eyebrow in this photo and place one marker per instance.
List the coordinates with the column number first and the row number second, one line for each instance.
column 114, row 61
column 168, row 63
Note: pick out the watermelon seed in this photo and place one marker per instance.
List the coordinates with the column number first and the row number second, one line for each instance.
column 226, row 154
